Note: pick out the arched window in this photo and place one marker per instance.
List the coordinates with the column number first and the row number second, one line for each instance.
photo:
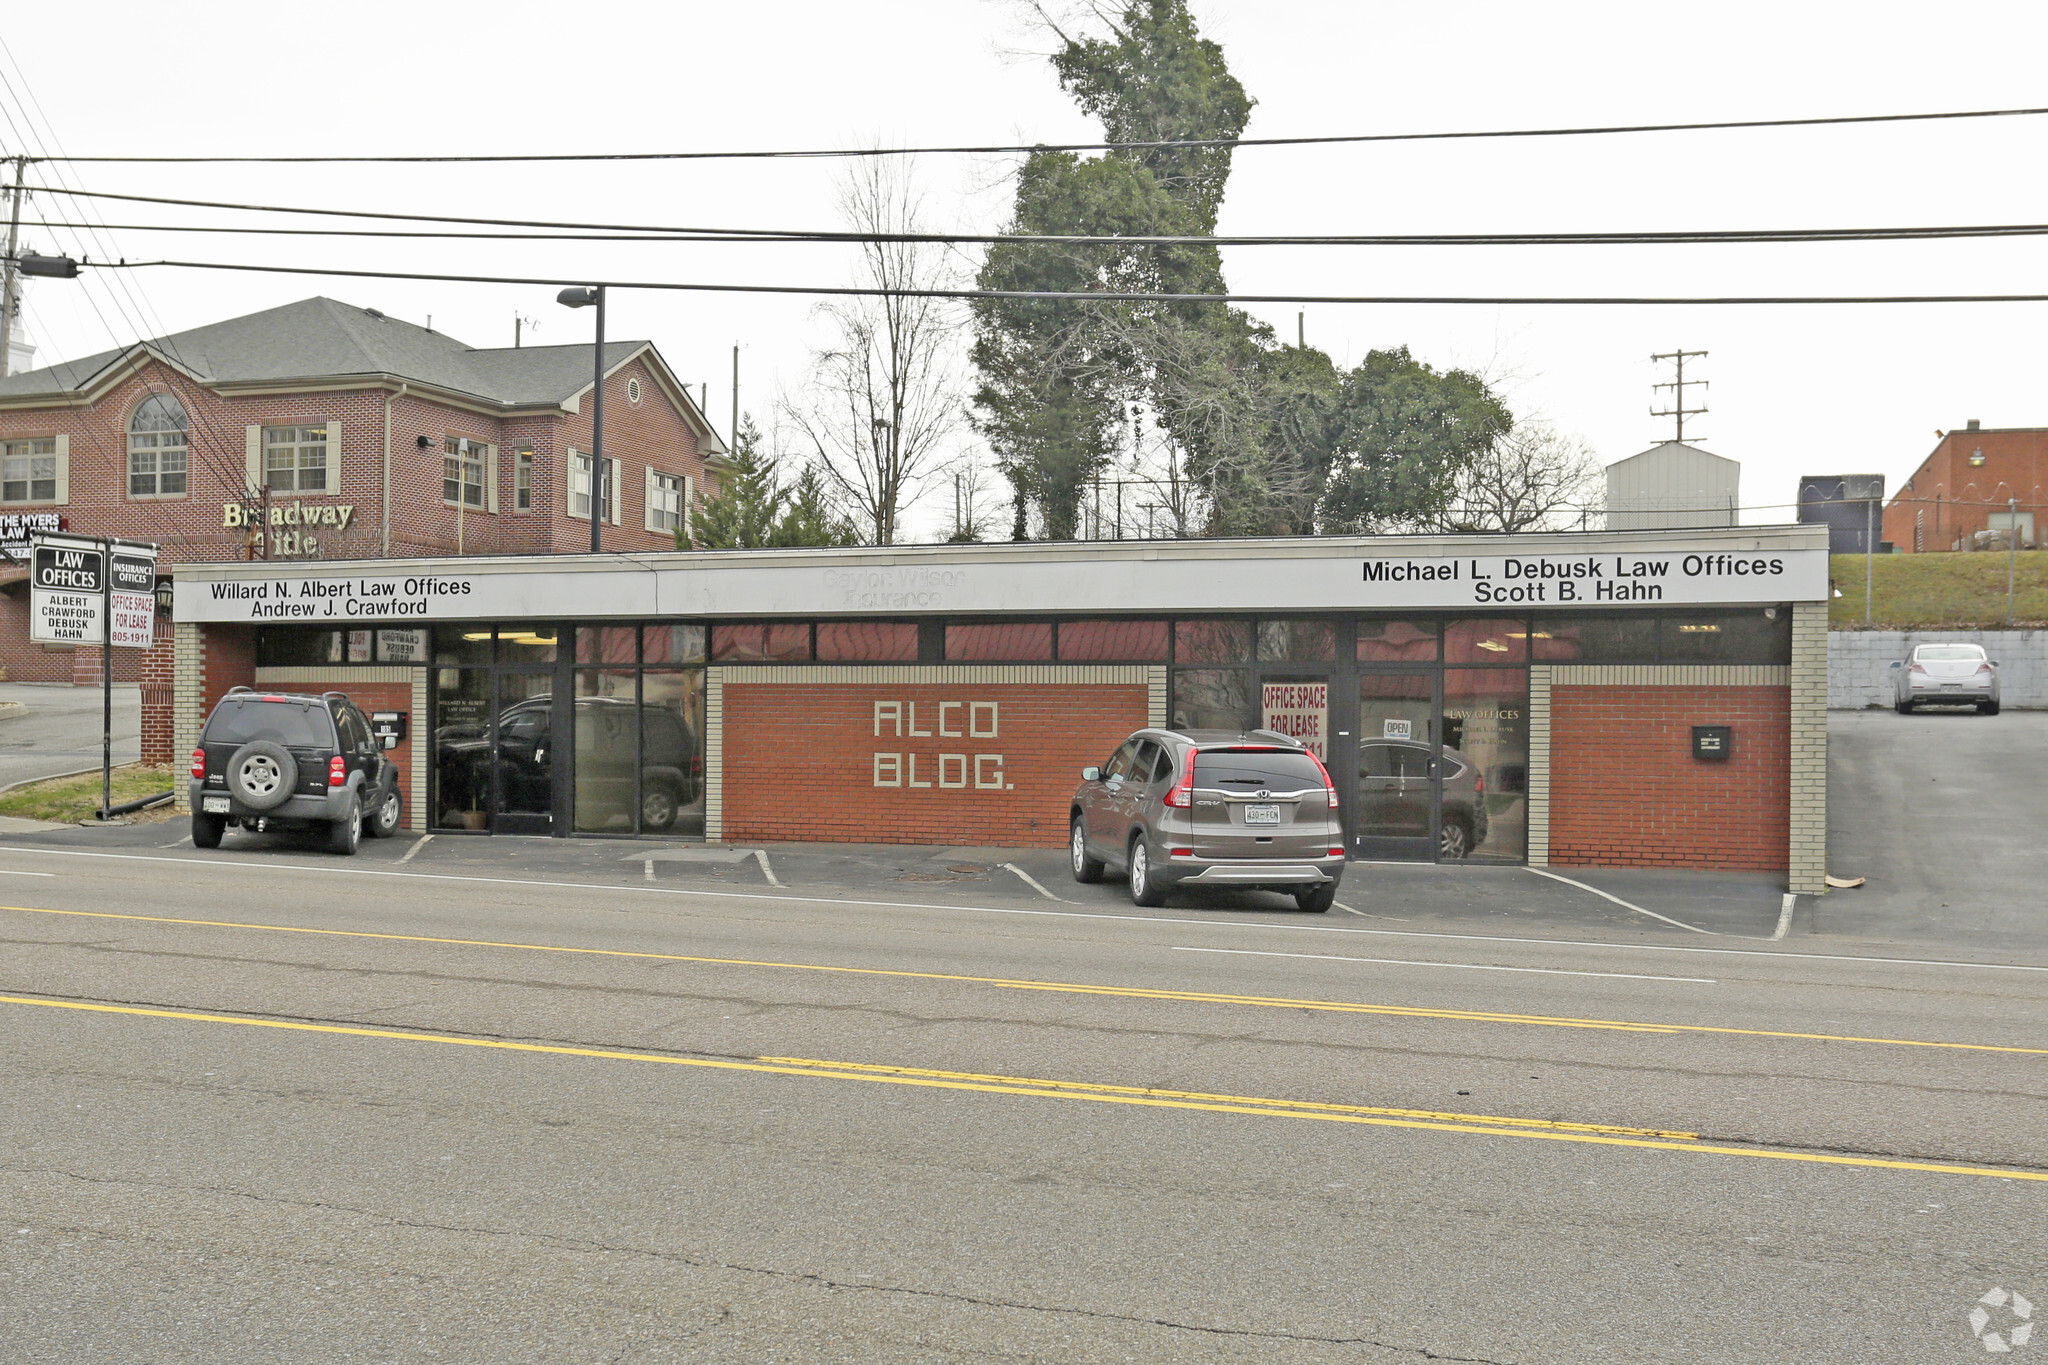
column 158, row 458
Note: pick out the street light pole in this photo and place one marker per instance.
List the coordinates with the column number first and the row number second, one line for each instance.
column 582, row 296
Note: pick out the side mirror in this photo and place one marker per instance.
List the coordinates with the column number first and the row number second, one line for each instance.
column 1994, row 663
column 1091, row 774
column 1897, row 664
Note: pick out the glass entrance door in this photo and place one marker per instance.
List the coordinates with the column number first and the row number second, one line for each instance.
column 525, row 767
column 1395, row 810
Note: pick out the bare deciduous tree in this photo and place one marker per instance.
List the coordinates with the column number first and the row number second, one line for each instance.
column 1533, row 477
column 882, row 401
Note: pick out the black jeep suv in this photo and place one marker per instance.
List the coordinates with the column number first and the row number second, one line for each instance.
column 279, row 760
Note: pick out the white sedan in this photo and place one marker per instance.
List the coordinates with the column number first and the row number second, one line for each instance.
column 1946, row 675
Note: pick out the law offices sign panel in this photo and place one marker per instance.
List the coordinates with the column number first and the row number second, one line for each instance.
column 1326, row 574
column 85, row 592
column 67, row 591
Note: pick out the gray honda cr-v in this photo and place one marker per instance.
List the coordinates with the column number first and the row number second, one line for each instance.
column 1244, row 808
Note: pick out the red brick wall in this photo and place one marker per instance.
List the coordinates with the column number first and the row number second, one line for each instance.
column 158, row 678
column 801, row 759
column 1948, row 499
column 1625, row 790
column 230, row 661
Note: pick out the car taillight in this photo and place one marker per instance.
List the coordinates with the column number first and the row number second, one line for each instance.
column 1479, row 784
column 1180, row 853
column 199, row 763
column 1336, row 853
column 337, row 772
column 1183, row 794
column 1332, row 798
column 1915, row 668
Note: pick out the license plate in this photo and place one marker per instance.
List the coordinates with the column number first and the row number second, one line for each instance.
column 1262, row 815
column 1951, row 687
column 214, row 805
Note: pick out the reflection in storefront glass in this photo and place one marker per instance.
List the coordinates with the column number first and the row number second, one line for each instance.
column 672, row 645
column 607, row 645
column 639, row 769
column 1113, row 640
column 672, row 753
column 526, row 644
column 1214, row 699
column 1486, row 777
column 1472, row 641
column 462, row 748
column 1596, row 637
column 863, row 641
column 1296, row 642
column 1212, row 642
column 1406, row 642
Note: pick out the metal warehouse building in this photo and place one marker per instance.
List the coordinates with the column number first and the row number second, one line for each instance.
column 1642, row 699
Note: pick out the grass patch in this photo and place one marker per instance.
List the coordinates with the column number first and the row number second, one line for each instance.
column 1945, row 591
column 71, row 799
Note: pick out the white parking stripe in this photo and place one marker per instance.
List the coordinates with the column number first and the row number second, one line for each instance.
column 761, row 855
column 1785, row 917
column 1465, row 966
column 10, row 872
column 1679, row 924
column 1032, row 882
column 418, row 844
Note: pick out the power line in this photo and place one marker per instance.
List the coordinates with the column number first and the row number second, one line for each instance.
column 993, row 149
column 602, row 233
column 1073, row 296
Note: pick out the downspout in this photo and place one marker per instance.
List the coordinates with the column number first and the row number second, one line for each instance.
column 389, row 399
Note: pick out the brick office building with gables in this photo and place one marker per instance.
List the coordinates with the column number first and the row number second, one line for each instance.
column 1649, row 699
column 320, row 431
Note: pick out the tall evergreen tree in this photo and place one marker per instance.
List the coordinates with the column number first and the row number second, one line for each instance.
column 753, row 510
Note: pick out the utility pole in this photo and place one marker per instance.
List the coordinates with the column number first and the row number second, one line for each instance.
column 1678, row 409
column 10, row 278
column 2012, row 551
column 733, row 442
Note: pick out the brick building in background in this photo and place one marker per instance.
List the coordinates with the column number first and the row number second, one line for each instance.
column 322, row 431
column 1966, row 487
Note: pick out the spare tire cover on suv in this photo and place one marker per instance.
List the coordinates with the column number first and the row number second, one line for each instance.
column 262, row 774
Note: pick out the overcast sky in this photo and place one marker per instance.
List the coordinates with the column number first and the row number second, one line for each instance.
column 1795, row 390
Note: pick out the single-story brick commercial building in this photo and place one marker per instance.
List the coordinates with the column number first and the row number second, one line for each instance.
column 1644, row 699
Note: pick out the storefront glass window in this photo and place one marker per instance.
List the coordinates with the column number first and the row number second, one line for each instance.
column 1761, row 635
column 1212, row 642
column 1132, row 641
column 462, row 644
column 607, row 725
column 672, row 645
column 402, row 646
column 672, row 752
column 1596, row 637
column 1215, row 699
column 860, row 641
column 607, row 645
column 1296, row 641
column 782, row 642
column 1406, row 642
column 289, row 648
column 526, row 644
column 1485, row 808
column 1027, row 641
column 1468, row 641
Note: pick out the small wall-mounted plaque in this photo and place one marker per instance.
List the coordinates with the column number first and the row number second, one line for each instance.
column 1713, row 741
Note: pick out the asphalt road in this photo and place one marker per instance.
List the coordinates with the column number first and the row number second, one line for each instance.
column 256, row 1106
column 59, row 731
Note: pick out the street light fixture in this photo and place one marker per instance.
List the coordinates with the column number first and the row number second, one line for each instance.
column 584, row 296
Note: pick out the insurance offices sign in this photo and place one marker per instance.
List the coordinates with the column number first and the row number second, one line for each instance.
column 1002, row 580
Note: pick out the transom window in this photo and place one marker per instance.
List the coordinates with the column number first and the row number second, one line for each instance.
column 295, row 459
column 28, row 471
column 158, row 456
column 462, row 472
column 665, row 494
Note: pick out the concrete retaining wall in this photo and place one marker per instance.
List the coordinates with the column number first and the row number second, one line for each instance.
column 1859, row 663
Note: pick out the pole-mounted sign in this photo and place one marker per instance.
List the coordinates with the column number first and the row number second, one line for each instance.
column 67, row 591
column 103, row 592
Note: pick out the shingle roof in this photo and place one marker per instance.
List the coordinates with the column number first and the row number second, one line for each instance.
column 320, row 338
